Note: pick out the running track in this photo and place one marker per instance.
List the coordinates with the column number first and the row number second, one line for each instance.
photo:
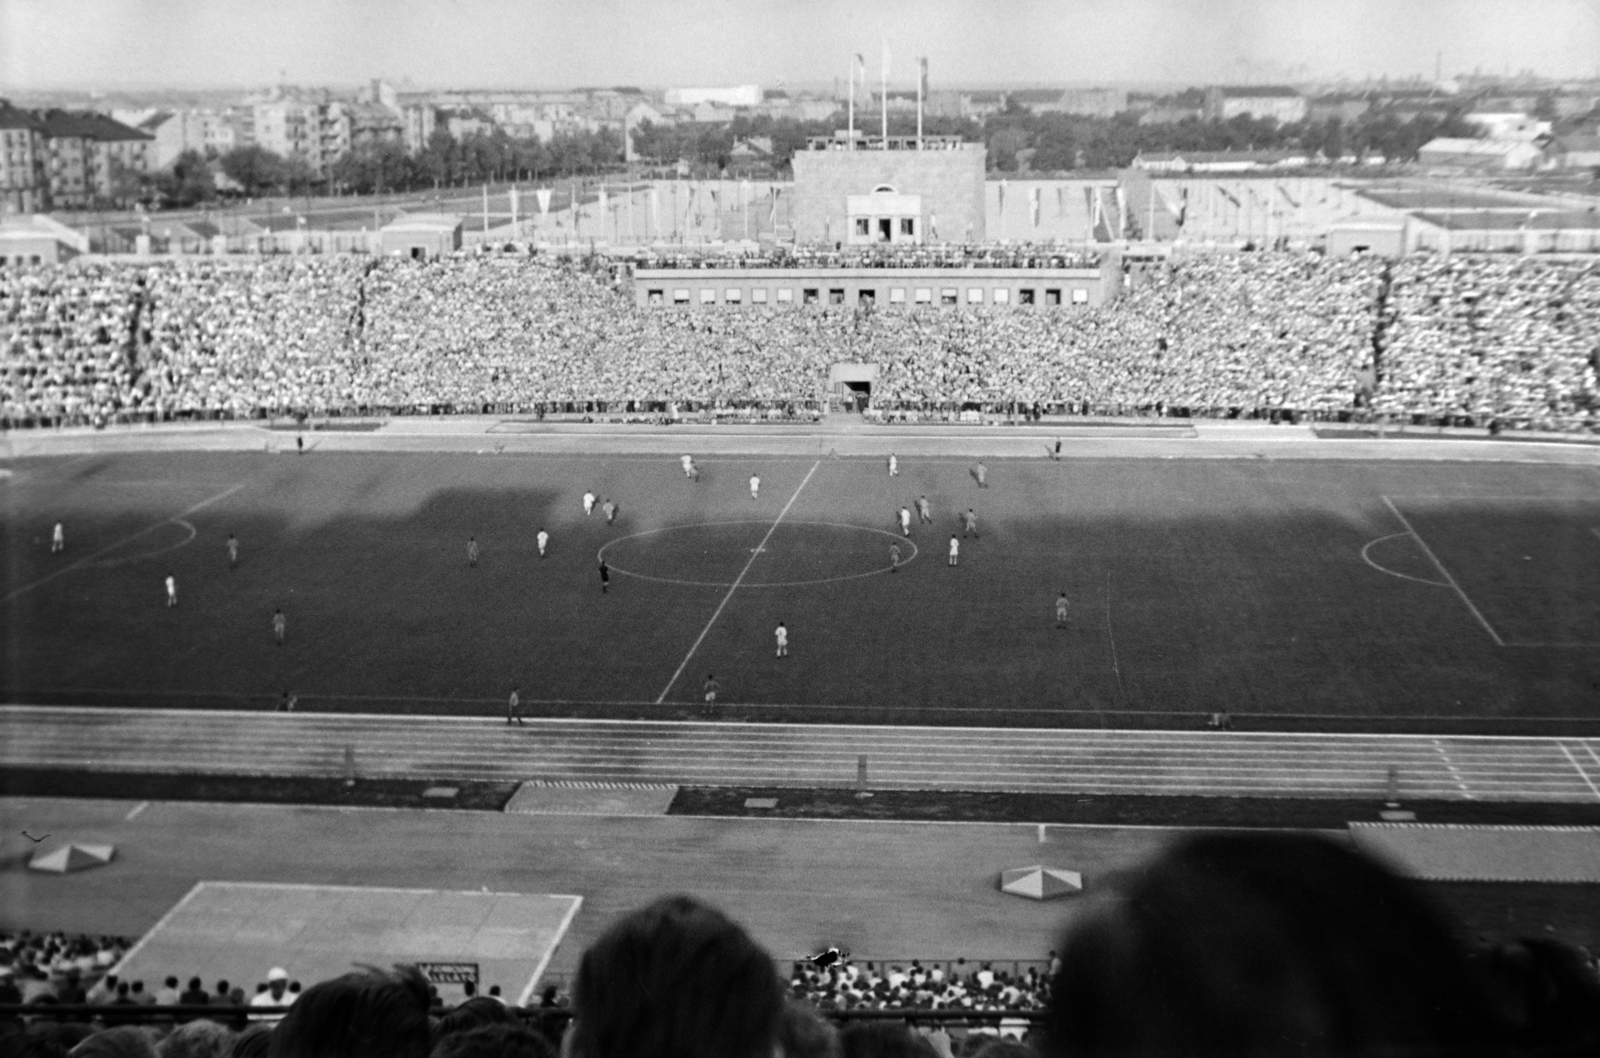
column 804, row 755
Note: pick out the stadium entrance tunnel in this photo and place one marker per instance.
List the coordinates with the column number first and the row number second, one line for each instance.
column 794, row 554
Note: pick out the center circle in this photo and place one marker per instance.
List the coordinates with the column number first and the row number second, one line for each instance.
column 756, row 554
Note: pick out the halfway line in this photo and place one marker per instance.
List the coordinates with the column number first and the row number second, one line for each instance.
column 1487, row 627
column 86, row 559
column 737, row 581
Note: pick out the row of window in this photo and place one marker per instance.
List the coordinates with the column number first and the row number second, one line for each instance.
column 21, row 259
column 869, row 296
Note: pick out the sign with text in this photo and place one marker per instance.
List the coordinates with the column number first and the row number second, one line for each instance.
column 449, row 973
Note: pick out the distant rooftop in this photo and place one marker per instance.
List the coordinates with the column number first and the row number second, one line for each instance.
column 1254, row 91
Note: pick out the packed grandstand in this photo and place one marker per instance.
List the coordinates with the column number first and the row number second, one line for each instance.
column 1499, row 341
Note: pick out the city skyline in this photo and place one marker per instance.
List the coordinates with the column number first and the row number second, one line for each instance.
column 97, row 45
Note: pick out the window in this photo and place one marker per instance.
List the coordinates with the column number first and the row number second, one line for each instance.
column 810, row 296
column 948, row 295
column 924, row 295
column 758, row 295
column 1002, row 297
column 785, row 295
column 1080, row 296
column 866, row 298
column 908, row 226
column 836, row 295
column 654, row 297
column 1025, row 296
column 974, row 295
column 733, row 295
column 863, row 226
column 885, row 229
column 707, row 296
column 897, row 295
column 1052, row 297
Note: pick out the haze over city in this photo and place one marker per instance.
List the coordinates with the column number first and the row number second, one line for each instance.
column 109, row 45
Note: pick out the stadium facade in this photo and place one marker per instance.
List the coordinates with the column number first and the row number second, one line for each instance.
column 895, row 288
column 867, row 191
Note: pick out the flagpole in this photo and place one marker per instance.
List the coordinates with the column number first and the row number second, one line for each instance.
column 922, row 66
column 883, row 94
column 852, row 119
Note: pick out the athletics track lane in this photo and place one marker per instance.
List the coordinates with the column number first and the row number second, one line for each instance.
column 801, row 755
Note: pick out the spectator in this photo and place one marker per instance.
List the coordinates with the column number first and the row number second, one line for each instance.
column 675, row 978
column 197, row 1039
column 253, row 1041
column 195, row 995
column 168, row 996
column 139, row 996
column 275, row 993
column 475, row 1013
column 884, row 1039
column 369, row 1013
column 1255, row 944
column 803, row 1033
column 124, row 1041
column 500, row 1040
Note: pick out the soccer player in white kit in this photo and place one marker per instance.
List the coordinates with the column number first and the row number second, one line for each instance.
column 955, row 548
column 688, row 467
column 894, row 465
column 172, row 590
column 905, row 522
column 755, row 486
column 588, row 504
column 58, row 539
column 782, row 635
column 543, row 539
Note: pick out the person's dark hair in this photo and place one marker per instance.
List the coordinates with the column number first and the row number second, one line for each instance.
column 1004, row 1049
column 124, row 1041
column 475, row 1013
column 806, row 1034
column 1255, row 944
column 252, row 1042
column 507, row 1039
column 884, row 1039
column 1549, row 994
column 369, row 1013
column 197, row 1039
column 676, row 979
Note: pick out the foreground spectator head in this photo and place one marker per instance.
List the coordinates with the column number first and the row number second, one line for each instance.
column 803, row 1033
column 884, row 1039
column 1265, row 944
column 1550, row 994
column 369, row 1013
column 197, row 1039
column 124, row 1041
column 676, row 979
column 500, row 1040
column 475, row 1013
column 253, row 1042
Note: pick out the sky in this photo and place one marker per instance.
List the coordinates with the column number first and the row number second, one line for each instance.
column 123, row 44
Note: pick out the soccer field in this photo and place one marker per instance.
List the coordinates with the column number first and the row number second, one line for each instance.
column 1306, row 594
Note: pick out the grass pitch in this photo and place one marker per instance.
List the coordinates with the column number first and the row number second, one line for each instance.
column 1326, row 595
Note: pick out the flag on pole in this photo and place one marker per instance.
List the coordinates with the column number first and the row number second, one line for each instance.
column 543, row 195
column 1002, row 201
column 655, row 211
column 773, row 217
column 861, row 68
column 886, row 58
column 1033, row 205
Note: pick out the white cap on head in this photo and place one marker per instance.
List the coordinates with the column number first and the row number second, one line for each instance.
column 277, row 973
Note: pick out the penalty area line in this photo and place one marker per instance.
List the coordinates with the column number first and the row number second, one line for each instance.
column 130, row 538
column 759, row 549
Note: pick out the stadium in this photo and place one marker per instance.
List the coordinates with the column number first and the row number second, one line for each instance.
column 447, row 607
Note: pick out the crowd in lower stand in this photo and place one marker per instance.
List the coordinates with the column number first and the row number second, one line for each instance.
column 1487, row 341
column 1225, row 943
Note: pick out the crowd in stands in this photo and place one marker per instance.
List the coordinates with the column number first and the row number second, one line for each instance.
column 1238, row 943
column 919, row 256
column 1487, row 341
column 847, row 985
